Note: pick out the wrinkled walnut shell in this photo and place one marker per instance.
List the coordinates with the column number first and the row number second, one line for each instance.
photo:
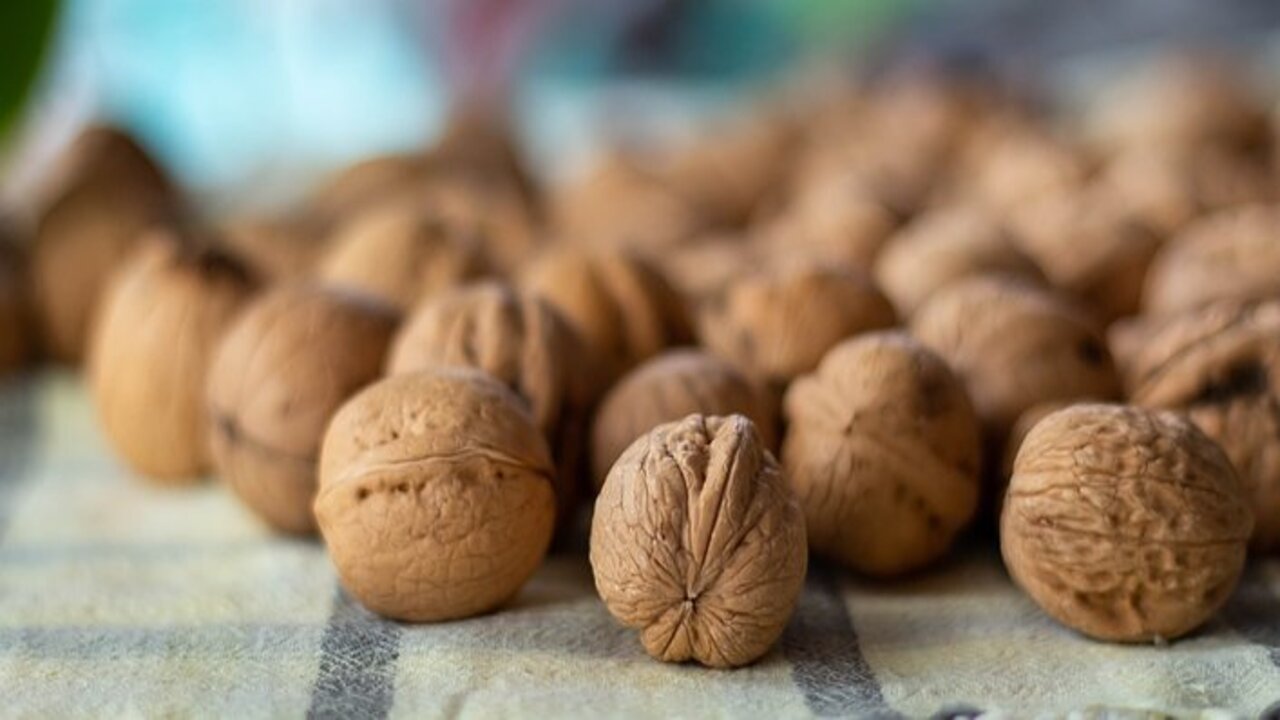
column 161, row 319
column 698, row 543
column 942, row 247
column 778, row 324
column 1221, row 367
column 1124, row 524
column 436, row 497
column 883, row 449
column 522, row 342
column 668, row 388
column 286, row 364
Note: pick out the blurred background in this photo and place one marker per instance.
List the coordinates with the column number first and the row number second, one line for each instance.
column 248, row 101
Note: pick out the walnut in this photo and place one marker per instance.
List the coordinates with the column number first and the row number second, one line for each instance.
column 108, row 194
column 1088, row 247
column 282, row 369
column 1230, row 255
column 1220, row 366
column 698, row 543
column 436, row 497
column 667, row 388
column 1011, row 160
column 1124, row 524
column 153, row 342
column 777, row 324
column 277, row 248
column 883, row 449
column 523, row 342
column 702, row 268
column 1015, row 346
column 500, row 220
column 943, row 246
column 366, row 184
column 401, row 253
column 622, row 308
column 838, row 221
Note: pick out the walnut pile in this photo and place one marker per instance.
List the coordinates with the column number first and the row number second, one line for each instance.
column 698, row 543
column 1124, row 524
column 1221, row 368
column 777, row 324
column 436, row 495
column 883, row 449
column 522, row 342
column 283, row 367
column 666, row 389
column 152, row 346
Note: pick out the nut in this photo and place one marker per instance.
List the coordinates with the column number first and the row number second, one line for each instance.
column 1124, row 524
column 702, row 268
column 666, row 389
column 943, row 246
column 522, row 342
column 1221, row 367
column 365, row 184
column 436, row 497
column 401, row 253
column 153, row 342
column 622, row 308
column 698, row 543
column 286, row 364
column 883, row 449
column 1015, row 346
column 1230, row 255
column 837, row 221
column 778, row 324
column 1010, row 161
column 279, row 248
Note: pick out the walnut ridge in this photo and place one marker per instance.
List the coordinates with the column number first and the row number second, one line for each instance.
column 1124, row 524
column 698, row 543
column 436, row 497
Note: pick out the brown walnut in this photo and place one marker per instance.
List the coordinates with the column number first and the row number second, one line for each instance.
column 698, row 543
column 883, row 449
column 1221, row 367
column 1124, row 524
column 286, row 364
column 667, row 388
column 161, row 319
column 777, row 324
column 436, row 497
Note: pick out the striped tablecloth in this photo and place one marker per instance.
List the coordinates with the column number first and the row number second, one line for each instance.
column 118, row 598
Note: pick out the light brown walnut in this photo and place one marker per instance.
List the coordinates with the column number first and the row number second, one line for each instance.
column 402, row 253
column 1221, row 367
column 279, row 248
column 620, row 305
column 364, row 184
column 666, row 389
column 943, row 246
column 1124, row 524
column 283, row 368
column 1230, row 255
column 698, row 543
column 524, row 343
column 161, row 319
column 883, row 448
column 778, row 323
column 839, row 221
column 436, row 497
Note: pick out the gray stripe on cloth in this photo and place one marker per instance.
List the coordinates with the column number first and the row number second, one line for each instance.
column 357, row 663
column 1253, row 610
column 826, row 660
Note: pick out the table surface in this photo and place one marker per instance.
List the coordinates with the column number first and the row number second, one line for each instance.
column 122, row 598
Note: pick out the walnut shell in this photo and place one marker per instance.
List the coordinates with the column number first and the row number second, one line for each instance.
column 1009, row 162
column 702, row 268
column 698, row 543
column 778, row 324
column 507, row 229
column 277, row 248
column 152, row 346
column 102, row 160
column 436, row 497
column 1230, row 255
column 401, row 253
column 1220, row 367
column 943, row 246
column 839, row 221
column 365, row 184
column 524, row 343
column 286, row 364
column 1124, row 524
column 667, row 388
column 883, row 448
column 621, row 307
column 1015, row 346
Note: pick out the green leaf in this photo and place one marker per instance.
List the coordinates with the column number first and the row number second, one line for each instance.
column 25, row 29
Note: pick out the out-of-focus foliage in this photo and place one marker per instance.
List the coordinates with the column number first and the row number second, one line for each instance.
column 25, row 27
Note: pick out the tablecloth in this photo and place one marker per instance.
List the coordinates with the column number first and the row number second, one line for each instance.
column 121, row 598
